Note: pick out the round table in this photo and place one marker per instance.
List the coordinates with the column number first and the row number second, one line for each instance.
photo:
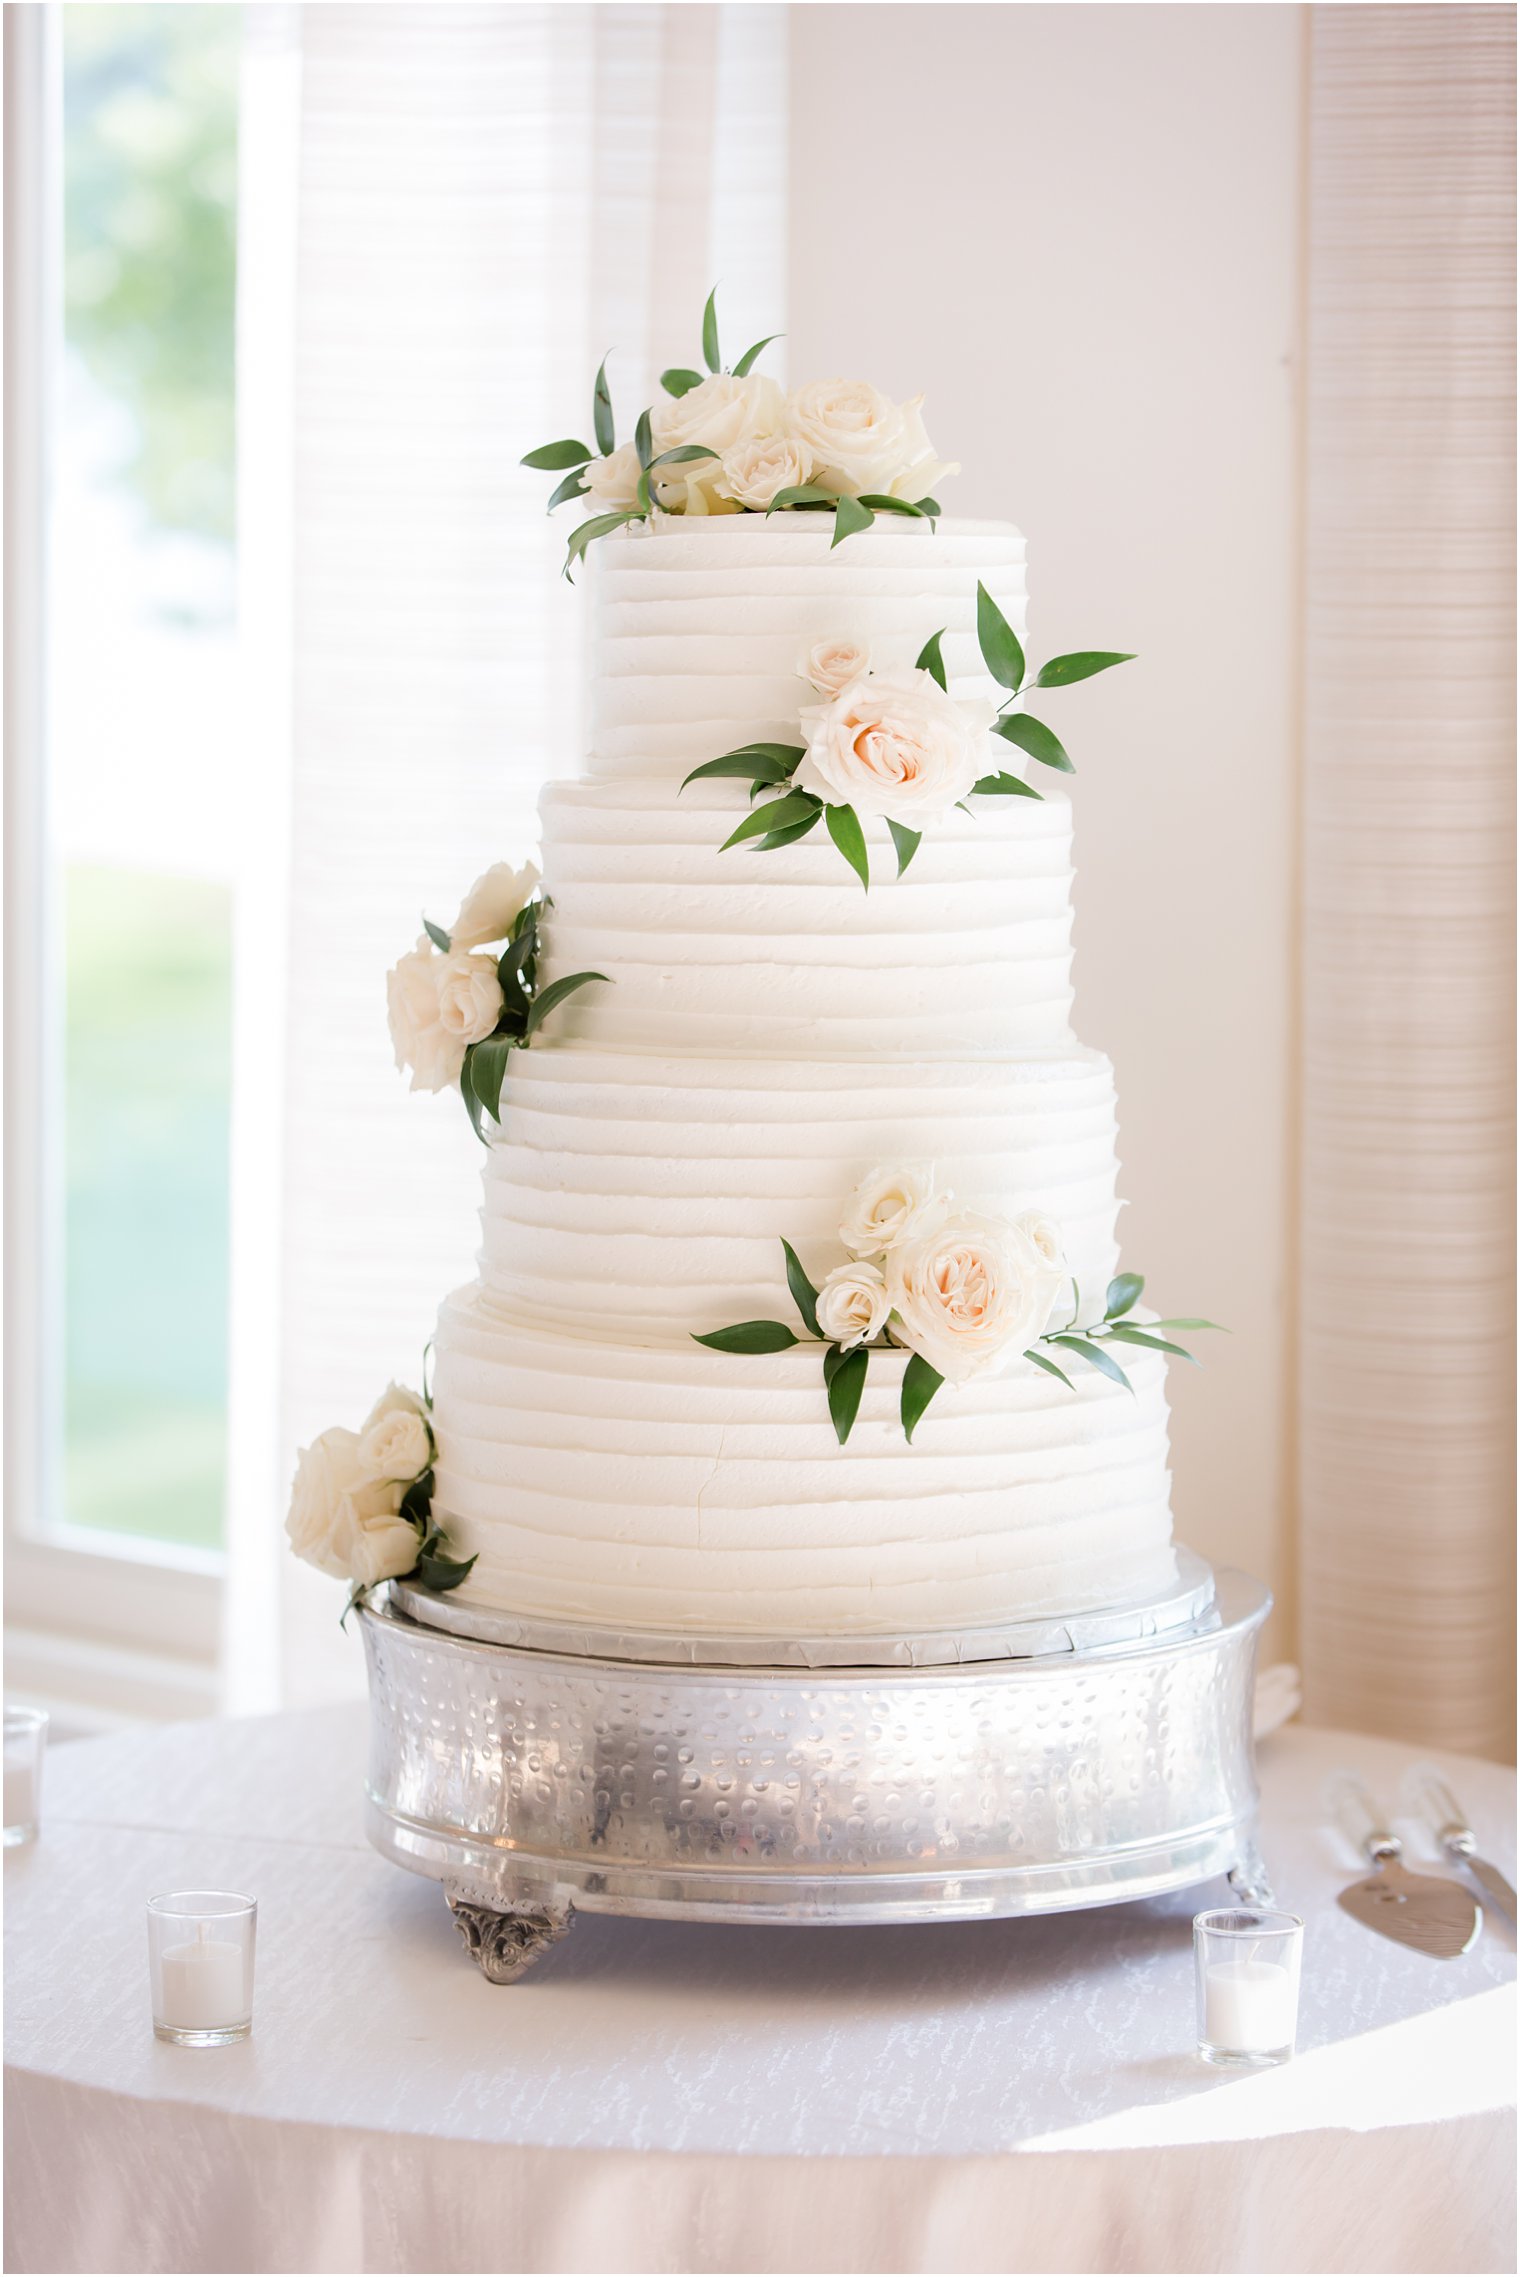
column 1005, row 2095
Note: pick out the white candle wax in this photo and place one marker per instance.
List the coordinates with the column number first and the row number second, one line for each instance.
column 202, row 1986
column 1249, row 2006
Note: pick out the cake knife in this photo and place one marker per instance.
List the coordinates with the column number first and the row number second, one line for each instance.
column 1427, row 1796
column 1424, row 1911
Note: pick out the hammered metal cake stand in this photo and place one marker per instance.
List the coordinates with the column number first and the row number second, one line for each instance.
column 536, row 1771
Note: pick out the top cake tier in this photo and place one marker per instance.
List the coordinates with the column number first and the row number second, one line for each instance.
column 699, row 625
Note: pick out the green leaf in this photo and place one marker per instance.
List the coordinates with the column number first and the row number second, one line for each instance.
column 750, row 1336
column 1081, row 664
column 930, row 659
column 488, row 1064
column 776, row 814
column 881, row 502
column 920, row 1383
column 679, row 381
column 683, row 453
column 802, row 494
column 789, row 835
column 472, row 1106
column 746, row 363
column 849, row 516
column 556, row 992
column 552, row 456
column 999, row 642
column 906, row 841
column 1095, row 1356
column 418, row 1499
column 512, row 972
column 1033, row 736
column 601, row 414
column 804, row 1295
column 845, row 830
column 1006, row 787
column 1124, row 1292
column 930, row 507
column 1124, row 1334
column 711, row 354
column 845, row 1381
column 597, row 527
column 436, row 935
column 1189, row 1324
column 745, row 766
column 1050, row 1368
column 571, row 487
column 643, row 439
column 441, row 1573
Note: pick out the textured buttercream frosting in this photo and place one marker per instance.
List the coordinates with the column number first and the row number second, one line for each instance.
column 766, row 1034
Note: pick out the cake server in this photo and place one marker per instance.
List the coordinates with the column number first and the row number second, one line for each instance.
column 1427, row 1796
column 1424, row 1911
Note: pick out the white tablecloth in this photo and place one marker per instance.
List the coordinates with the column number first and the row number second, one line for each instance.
column 654, row 2096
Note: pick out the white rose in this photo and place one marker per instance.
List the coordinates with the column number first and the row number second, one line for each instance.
column 433, row 1053
column 396, row 1441
column 754, row 472
column 343, row 1522
column 853, row 1305
column 857, row 435
column 889, row 1206
column 469, row 997
column 493, row 905
column 721, row 412
column 613, row 482
column 693, row 488
column 922, row 473
column 831, row 666
column 895, row 745
column 971, row 1295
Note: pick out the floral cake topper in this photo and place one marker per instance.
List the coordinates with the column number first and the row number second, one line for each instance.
column 731, row 441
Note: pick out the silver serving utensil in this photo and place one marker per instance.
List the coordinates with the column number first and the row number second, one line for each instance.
column 1426, row 1796
column 1423, row 1911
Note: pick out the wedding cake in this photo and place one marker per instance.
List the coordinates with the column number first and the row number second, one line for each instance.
column 799, row 1311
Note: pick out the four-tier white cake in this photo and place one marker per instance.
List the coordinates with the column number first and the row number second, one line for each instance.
column 765, row 1034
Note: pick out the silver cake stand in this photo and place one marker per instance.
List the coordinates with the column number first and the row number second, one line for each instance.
column 536, row 1771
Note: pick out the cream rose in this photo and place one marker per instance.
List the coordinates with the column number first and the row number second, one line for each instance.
column 753, row 473
column 343, row 1522
column 853, row 1305
column 613, row 482
column 922, row 472
column 396, row 1441
column 832, row 666
column 721, row 412
column 894, row 745
column 856, row 435
column 493, row 905
column 469, row 997
column 971, row 1295
column 433, row 1053
column 890, row 1206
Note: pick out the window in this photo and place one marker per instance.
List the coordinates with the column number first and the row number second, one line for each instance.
column 122, row 845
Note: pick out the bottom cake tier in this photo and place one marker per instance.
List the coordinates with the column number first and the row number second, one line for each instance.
column 673, row 1488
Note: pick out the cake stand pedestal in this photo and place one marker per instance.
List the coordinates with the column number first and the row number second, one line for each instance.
column 536, row 1772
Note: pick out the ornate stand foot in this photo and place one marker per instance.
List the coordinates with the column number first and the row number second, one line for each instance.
column 506, row 1945
column 1249, row 1880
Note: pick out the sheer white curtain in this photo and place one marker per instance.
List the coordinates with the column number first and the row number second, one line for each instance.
column 489, row 197
column 1406, row 1285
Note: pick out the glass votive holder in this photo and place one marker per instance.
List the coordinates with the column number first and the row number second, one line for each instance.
column 25, row 1745
column 1246, row 1966
column 200, row 1961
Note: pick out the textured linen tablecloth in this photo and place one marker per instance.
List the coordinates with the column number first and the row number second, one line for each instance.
column 1008, row 2095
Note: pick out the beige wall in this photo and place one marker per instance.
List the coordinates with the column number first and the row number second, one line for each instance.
column 1076, row 228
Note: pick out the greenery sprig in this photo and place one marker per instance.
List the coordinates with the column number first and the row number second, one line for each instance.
column 844, row 1371
column 792, row 813
column 525, row 1007
column 570, row 458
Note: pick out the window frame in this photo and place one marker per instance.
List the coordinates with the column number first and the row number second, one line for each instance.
column 124, row 1625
